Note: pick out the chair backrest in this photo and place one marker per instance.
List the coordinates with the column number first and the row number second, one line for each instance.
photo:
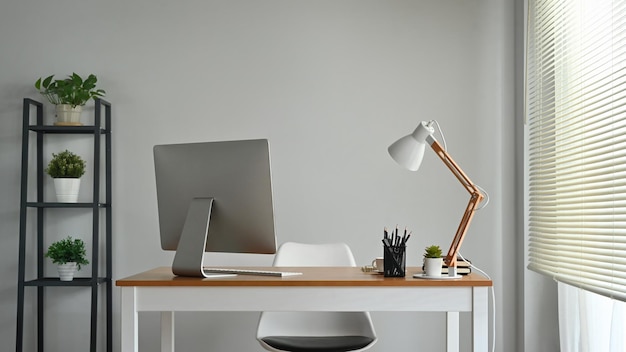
column 314, row 323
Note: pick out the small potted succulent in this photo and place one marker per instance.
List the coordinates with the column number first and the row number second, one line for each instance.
column 433, row 262
column 66, row 168
column 69, row 254
column 69, row 95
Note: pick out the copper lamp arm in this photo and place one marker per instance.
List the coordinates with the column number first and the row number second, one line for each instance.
column 476, row 196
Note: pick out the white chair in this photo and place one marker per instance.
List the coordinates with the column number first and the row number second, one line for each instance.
column 315, row 331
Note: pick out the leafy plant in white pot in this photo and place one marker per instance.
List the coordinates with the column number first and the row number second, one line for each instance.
column 66, row 168
column 69, row 95
column 69, row 254
column 433, row 262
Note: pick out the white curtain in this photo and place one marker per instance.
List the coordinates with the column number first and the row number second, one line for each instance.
column 589, row 322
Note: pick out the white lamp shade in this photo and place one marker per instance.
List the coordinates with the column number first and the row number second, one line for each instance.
column 408, row 151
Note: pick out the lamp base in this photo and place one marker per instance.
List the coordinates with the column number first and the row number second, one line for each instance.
column 442, row 277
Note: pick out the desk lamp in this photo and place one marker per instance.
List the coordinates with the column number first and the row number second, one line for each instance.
column 408, row 151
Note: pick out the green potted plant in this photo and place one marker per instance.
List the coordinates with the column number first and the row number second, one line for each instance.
column 66, row 168
column 433, row 262
column 69, row 95
column 69, row 254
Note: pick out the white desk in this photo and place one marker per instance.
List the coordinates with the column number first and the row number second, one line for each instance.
column 318, row 289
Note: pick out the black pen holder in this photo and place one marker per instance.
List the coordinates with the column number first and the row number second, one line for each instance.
column 395, row 261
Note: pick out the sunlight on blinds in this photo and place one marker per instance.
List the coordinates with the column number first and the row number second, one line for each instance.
column 576, row 113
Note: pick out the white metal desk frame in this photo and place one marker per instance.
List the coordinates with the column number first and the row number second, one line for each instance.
column 167, row 300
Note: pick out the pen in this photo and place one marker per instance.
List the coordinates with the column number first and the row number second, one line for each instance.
column 407, row 237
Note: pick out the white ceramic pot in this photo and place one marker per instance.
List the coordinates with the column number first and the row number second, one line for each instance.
column 432, row 267
column 67, row 189
column 68, row 115
column 66, row 271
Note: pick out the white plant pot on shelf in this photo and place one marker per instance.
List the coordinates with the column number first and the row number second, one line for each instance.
column 67, row 189
column 68, row 115
column 432, row 267
column 67, row 271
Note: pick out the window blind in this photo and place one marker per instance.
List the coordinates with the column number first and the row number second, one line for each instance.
column 576, row 151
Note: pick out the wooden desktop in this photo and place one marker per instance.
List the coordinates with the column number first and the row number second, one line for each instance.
column 317, row 289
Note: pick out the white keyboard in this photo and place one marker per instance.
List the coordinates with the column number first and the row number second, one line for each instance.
column 249, row 272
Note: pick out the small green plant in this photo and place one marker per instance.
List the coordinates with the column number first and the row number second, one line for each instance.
column 432, row 252
column 68, row 250
column 66, row 165
column 74, row 90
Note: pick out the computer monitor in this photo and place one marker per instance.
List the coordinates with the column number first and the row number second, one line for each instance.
column 214, row 197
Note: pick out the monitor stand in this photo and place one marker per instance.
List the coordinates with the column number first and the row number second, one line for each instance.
column 190, row 250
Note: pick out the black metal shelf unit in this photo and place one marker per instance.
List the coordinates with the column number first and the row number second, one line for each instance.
column 101, row 131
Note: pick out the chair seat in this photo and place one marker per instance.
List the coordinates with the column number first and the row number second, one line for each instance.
column 285, row 331
column 318, row 343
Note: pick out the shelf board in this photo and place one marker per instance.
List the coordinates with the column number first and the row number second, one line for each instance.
column 64, row 205
column 86, row 129
column 55, row 281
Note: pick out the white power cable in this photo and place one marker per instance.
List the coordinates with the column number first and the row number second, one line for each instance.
column 443, row 138
column 493, row 302
column 486, row 200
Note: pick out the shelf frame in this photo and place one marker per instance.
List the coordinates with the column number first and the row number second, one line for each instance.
column 101, row 131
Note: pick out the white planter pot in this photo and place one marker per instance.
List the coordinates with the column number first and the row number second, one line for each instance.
column 432, row 267
column 67, row 189
column 66, row 271
column 68, row 115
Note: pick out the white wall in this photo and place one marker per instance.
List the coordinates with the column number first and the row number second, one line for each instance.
column 330, row 83
column 538, row 328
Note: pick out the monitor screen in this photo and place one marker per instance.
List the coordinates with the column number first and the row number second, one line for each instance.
column 214, row 197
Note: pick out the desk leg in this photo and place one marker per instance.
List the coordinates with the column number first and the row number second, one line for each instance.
column 480, row 319
column 129, row 333
column 167, row 331
column 452, row 339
